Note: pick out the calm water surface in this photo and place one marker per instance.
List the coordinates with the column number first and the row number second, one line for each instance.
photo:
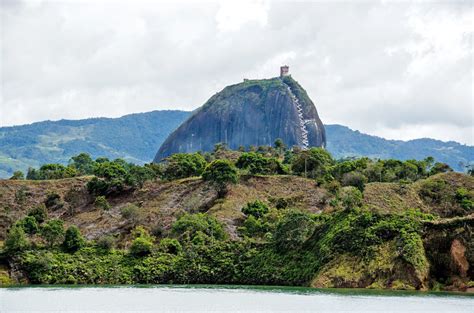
column 225, row 299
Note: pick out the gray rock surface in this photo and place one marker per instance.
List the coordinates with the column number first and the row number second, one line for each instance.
column 255, row 112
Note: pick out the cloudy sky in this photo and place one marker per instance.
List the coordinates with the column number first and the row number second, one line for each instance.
column 396, row 69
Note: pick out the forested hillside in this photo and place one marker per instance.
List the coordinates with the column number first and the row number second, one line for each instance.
column 134, row 137
column 137, row 137
column 344, row 142
column 268, row 217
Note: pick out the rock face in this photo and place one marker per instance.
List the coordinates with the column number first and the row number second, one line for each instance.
column 255, row 112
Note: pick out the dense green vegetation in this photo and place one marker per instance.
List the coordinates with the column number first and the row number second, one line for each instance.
column 275, row 243
column 57, row 141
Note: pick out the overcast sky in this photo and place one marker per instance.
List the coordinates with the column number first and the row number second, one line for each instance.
column 396, row 69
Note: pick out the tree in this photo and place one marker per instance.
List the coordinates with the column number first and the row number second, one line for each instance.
column 32, row 174
column 315, row 162
column 182, row 165
column 440, row 168
column 279, row 146
column 114, row 176
column 73, row 239
column 137, row 175
column 221, row 146
column 110, row 177
column 16, row 240
column 54, row 171
column 470, row 169
column 53, row 231
column 256, row 164
column 83, row 163
column 221, row 173
column 17, row 175
column 110, row 170
column 256, row 209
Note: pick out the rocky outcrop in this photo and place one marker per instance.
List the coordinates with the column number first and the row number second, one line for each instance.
column 255, row 112
column 458, row 258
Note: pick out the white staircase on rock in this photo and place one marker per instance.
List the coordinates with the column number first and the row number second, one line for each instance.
column 302, row 121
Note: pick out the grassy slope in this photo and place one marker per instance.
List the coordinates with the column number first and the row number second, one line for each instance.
column 161, row 202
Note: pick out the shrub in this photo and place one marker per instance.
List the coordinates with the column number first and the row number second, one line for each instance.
column 465, row 198
column 350, row 197
column 354, row 179
column 29, row 225
column 221, row 173
column 434, row 191
column 97, row 186
column 412, row 250
column 101, row 203
column 256, row 208
column 183, row 165
column 169, row 245
column 73, row 239
column 21, row 194
column 142, row 244
column 16, row 240
column 17, row 175
column 190, row 224
column 282, row 203
column 52, row 231
column 157, row 230
column 254, row 227
column 39, row 213
column 130, row 212
column 106, row 242
column 53, row 201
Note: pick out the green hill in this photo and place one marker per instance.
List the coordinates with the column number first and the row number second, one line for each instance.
column 134, row 137
column 137, row 137
column 343, row 142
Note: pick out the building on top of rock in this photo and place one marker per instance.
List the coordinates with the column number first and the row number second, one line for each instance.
column 284, row 70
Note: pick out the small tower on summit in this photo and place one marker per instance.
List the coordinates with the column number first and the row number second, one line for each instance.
column 284, row 70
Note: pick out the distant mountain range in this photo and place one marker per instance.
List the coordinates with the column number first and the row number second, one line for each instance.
column 137, row 137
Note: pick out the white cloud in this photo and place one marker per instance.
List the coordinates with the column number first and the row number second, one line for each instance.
column 395, row 69
column 232, row 15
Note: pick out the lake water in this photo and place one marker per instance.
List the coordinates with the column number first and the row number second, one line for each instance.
column 225, row 299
